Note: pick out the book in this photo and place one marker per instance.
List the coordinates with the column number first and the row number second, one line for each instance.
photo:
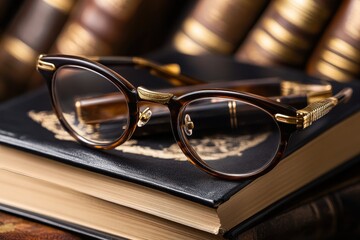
column 32, row 31
column 337, row 56
column 97, row 27
column 140, row 190
column 147, row 33
column 216, row 26
column 286, row 33
column 335, row 201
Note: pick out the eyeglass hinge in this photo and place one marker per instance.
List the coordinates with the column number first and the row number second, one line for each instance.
column 298, row 120
column 306, row 116
column 152, row 96
column 42, row 65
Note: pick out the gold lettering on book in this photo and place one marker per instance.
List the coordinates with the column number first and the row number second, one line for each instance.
column 344, row 48
column 307, row 15
column 211, row 148
column 203, row 35
column 186, row 45
column 340, row 61
column 268, row 43
column 77, row 40
column 332, row 72
column 283, row 34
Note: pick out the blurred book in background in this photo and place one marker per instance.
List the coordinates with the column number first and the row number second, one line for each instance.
column 96, row 27
column 273, row 33
column 152, row 26
column 286, row 32
column 116, row 27
column 31, row 32
column 337, row 56
column 217, row 26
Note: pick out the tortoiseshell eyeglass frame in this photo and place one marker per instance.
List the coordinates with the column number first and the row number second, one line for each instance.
column 287, row 118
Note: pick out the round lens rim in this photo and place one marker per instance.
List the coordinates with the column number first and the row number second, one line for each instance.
column 267, row 105
column 132, row 109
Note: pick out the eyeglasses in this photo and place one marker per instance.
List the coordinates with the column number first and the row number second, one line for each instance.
column 228, row 134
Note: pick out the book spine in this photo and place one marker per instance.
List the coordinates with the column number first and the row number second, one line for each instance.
column 337, row 56
column 154, row 30
column 96, row 27
column 217, row 26
column 286, row 32
column 32, row 31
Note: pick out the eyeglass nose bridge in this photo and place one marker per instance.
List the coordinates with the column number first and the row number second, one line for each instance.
column 152, row 96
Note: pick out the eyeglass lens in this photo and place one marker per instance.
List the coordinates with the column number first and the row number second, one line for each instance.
column 72, row 83
column 230, row 136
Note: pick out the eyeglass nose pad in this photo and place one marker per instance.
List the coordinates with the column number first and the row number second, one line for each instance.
column 188, row 125
column 144, row 117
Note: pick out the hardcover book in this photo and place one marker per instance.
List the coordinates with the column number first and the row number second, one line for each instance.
column 32, row 30
column 286, row 33
column 145, row 188
column 216, row 26
column 337, row 55
column 96, row 27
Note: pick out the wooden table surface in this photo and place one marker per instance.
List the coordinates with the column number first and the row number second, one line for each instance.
column 16, row 228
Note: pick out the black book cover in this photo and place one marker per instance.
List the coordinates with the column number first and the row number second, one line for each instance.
column 23, row 125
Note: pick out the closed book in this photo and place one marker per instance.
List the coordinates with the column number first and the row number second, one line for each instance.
column 216, row 26
column 286, row 33
column 144, row 189
column 147, row 32
column 31, row 32
column 337, row 56
column 97, row 27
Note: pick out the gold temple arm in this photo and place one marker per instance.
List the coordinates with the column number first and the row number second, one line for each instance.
column 170, row 72
column 316, row 110
column 314, row 92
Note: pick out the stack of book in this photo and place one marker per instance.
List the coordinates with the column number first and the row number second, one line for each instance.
column 139, row 190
